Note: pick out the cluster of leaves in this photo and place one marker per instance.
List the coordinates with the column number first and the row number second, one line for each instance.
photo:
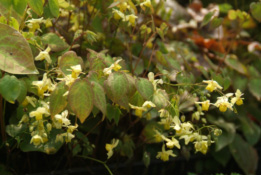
column 100, row 73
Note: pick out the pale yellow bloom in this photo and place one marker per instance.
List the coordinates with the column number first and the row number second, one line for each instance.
column 71, row 128
column 118, row 14
column 131, row 19
column 153, row 81
column 38, row 113
column 145, row 4
column 28, row 99
column 44, row 55
column 37, row 140
column 123, row 6
column 110, row 147
column 76, row 70
column 237, row 99
column 201, row 146
column 164, row 155
column 222, row 103
column 212, row 85
column 205, row 105
column 115, row 66
column 34, row 24
column 172, row 142
column 61, row 120
column 43, row 85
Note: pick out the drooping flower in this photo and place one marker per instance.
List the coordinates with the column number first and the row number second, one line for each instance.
column 172, row 142
column 118, row 14
column 61, row 120
column 37, row 140
column 222, row 103
column 153, row 81
column 205, row 105
column 38, row 113
column 76, row 70
column 34, row 24
column 131, row 19
column 43, row 85
column 212, row 85
column 110, row 147
column 44, row 55
column 115, row 66
column 201, row 146
column 146, row 3
column 164, row 155
column 237, row 99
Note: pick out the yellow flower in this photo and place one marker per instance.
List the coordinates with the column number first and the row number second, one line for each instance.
column 110, row 147
column 131, row 19
column 222, row 103
column 76, row 70
column 118, row 14
column 201, row 146
column 144, row 4
column 34, row 24
column 60, row 120
column 38, row 113
column 238, row 100
column 212, row 85
column 164, row 155
column 44, row 85
column 44, row 55
column 123, row 6
column 172, row 142
column 115, row 66
column 205, row 105
column 158, row 136
column 36, row 140
column 153, row 81
column 71, row 128
column 67, row 136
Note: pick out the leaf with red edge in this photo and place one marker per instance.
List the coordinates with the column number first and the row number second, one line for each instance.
column 15, row 53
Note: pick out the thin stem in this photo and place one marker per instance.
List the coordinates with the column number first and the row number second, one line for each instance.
column 2, row 120
column 99, row 161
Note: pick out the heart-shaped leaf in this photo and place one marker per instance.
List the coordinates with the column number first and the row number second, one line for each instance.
column 69, row 59
column 145, row 88
column 15, row 53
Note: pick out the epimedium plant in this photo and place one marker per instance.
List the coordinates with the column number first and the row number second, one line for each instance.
column 120, row 65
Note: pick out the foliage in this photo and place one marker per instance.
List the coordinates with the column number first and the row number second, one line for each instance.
column 124, row 75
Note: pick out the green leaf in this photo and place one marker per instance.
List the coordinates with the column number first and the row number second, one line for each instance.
column 14, row 8
column 235, row 64
column 69, row 59
column 49, row 147
column 116, row 87
column 160, row 99
column 250, row 130
column 58, row 101
column 216, row 22
column 15, row 53
column 99, row 97
column 15, row 130
column 54, row 7
column 23, row 91
column 255, row 8
column 10, row 88
column 244, row 154
column 113, row 112
column 254, row 87
column 131, row 84
column 146, row 159
column 54, row 42
column 225, row 7
column 36, row 6
column 228, row 132
column 80, row 98
column 145, row 88
column 222, row 156
column 207, row 19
